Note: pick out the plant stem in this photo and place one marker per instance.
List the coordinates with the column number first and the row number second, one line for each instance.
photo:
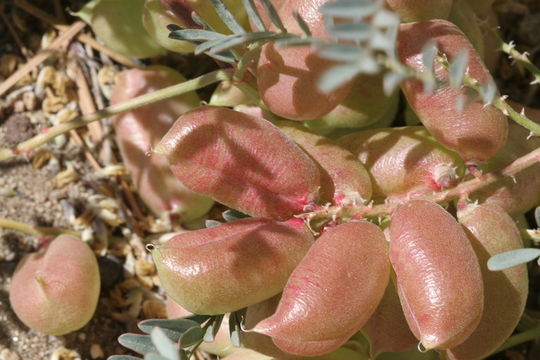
column 520, row 338
column 35, row 230
column 464, row 189
column 162, row 94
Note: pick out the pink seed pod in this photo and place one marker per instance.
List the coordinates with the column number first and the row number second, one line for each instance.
column 344, row 180
column 55, row 290
column 387, row 329
column 242, row 161
column 521, row 193
column 420, row 10
column 477, row 132
column 349, row 262
column 137, row 131
column 437, row 274
column 287, row 78
column 230, row 266
column 492, row 231
column 403, row 161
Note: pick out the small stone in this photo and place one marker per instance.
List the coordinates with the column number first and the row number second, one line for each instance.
column 17, row 129
column 96, row 352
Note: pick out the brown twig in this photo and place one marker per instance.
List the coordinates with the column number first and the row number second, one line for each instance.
column 60, row 41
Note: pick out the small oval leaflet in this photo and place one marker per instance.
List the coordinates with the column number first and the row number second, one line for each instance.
column 508, row 259
column 164, row 345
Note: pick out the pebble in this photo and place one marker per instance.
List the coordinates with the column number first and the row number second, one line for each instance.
column 96, row 352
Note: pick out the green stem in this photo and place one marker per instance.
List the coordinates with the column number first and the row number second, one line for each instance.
column 35, row 230
column 520, row 338
column 162, row 94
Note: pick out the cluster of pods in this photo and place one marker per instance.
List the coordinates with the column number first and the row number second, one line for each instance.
column 419, row 278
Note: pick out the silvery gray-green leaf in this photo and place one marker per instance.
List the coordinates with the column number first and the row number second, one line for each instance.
column 233, row 215
column 341, row 52
column 273, row 15
column 191, row 337
column 141, row 344
column 351, row 31
column 165, row 346
column 537, row 216
column 457, row 68
column 296, row 41
column 429, row 51
column 384, row 18
column 338, row 75
column 196, row 34
column 172, row 328
column 199, row 21
column 302, row 23
column 512, row 258
column 349, row 9
column 254, row 15
column 235, row 319
column 488, row 92
column 382, row 41
column 227, row 17
column 213, row 328
column 244, row 39
column 211, row 223
column 391, row 81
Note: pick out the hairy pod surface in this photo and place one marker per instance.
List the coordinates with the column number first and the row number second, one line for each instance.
column 492, row 231
column 477, row 133
column 350, row 263
column 287, row 78
column 139, row 130
column 421, row 10
column 231, row 266
column 521, row 193
column 387, row 329
column 242, row 161
column 55, row 290
column 437, row 274
column 404, row 160
column 344, row 180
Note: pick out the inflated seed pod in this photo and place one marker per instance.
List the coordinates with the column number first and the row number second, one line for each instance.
column 404, row 160
column 55, row 290
column 137, row 131
column 227, row 267
column 350, row 262
column 118, row 23
column 242, row 161
column 492, row 231
column 206, row 11
column 344, row 179
column 437, row 274
column 477, row 132
column 420, row 10
column 287, row 77
column 387, row 329
column 156, row 17
column 365, row 105
column 521, row 193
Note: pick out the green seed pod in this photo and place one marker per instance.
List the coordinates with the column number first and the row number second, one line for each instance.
column 55, row 290
column 242, row 161
column 421, row 10
column 492, row 231
column 156, row 17
column 437, row 274
column 119, row 24
column 227, row 267
column 348, row 261
column 477, row 132
column 344, row 180
column 137, row 131
column 403, row 161
column 464, row 17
